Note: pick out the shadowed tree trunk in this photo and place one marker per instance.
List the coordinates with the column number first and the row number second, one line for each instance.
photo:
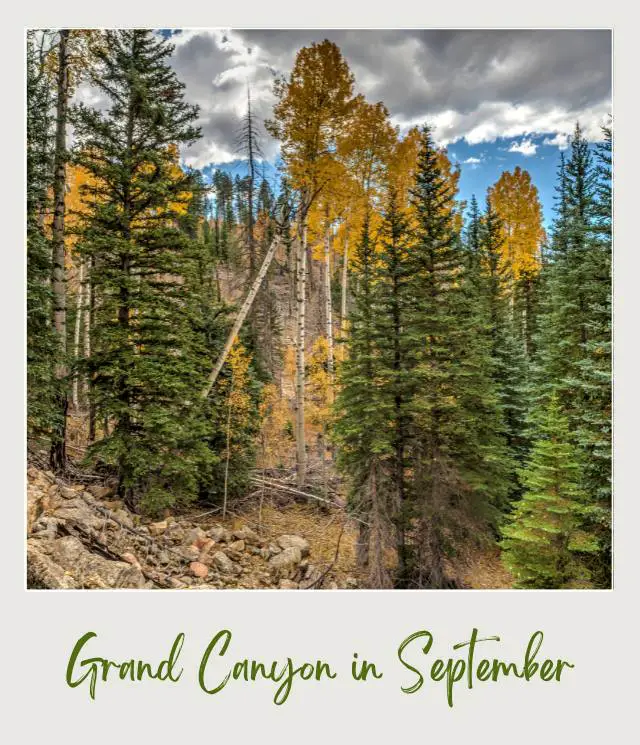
column 58, row 454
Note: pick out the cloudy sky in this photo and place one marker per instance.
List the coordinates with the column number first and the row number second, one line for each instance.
column 496, row 98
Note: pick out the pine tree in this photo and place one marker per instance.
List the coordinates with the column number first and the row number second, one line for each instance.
column 460, row 460
column 544, row 545
column 594, row 368
column 506, row 349
column 397, row 358
column 147, row 356
column 42, row 388
column 361, row 428
column 573, row 362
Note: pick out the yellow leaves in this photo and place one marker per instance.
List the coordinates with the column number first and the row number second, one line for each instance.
column 403, row 160
column 81, row 44
column 234, row 389
column 277, row 428
column 318, row 384
column 312, row 107
column 515, row 199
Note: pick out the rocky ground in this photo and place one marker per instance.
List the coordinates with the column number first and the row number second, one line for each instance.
column 80, row 537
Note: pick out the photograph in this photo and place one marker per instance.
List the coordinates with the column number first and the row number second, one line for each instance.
column 318, row 309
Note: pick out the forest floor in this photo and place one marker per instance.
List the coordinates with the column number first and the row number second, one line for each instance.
column 80, row 536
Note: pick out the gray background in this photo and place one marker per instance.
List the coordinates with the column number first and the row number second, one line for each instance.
column 595, row 630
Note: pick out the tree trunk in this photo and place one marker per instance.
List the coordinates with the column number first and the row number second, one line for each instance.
column 88, row 321
column 58, row 454
column 246, row 307
column 301, row 287
column 228, row 452
column 328, row 312
column 343, row 305
column 76, row 334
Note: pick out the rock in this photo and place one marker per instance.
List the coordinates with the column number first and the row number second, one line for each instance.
column 247, row 535
column 332, row 586
column 114, row 504
column 45, row 527
column 223, row 563
column 273, row 549
column 124, row 517
column 190, row 553
column 100, row 492
column 66, row 563
column 207, row 547
column 291, row 541
column 219, row 534
column 66, row 492
column 175, row 583
column 78, row 510
column 175, row 533
column 287, row 584
column 196, row 537
column 131, row 559
column 285, row 564
column 34, row 507
column 198, row 569
column 351, row 583
column 236, row 546
column 158, row 528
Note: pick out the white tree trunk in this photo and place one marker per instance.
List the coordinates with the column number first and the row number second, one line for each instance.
column 301, row 289
column 246, row 307
column 76, row 333
column 328, row 310
column 343, row 305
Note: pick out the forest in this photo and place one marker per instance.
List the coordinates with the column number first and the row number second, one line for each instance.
column 352, row 342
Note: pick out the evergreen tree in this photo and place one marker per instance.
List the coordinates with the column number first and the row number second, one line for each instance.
column 573, row 363
column 544, row 545
column 506, row 349
column 460, row 463
column 147, row 356
column 361, row 426
column 42, row 388
column 397, row 358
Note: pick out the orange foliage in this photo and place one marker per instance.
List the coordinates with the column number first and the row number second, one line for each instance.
column 515, row 199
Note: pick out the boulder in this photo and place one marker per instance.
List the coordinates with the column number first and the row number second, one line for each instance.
column 236, row 546
column 223, row 563
column 176, row 533
column 100, row 491
column 247, row 535
column 287, row 584
column 190, row 553
column 131, row 559
column 198, row 569
column 291, row 541
column 78, row 510
column 34, row 507
column 285, row 564
column 158, row 528
column 219, row 534
column 65, row 563
column 206, row 548
column 196, row 537
column 45, row 527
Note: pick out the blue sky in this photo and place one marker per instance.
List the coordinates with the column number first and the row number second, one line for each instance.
column 495, row 98
column 480, row 168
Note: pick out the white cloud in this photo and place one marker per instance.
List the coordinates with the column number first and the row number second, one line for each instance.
column 526, row 147
column 561, row 140
column 472, row 160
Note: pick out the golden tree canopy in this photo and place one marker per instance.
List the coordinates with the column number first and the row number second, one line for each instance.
column 515, row 199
